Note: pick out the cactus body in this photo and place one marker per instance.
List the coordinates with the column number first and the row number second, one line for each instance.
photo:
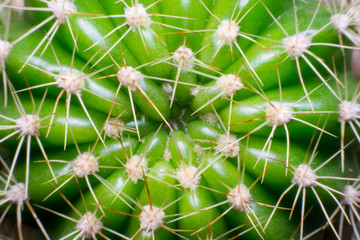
column 179, row 119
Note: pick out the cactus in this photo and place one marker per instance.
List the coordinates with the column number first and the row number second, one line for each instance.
column 178, row 119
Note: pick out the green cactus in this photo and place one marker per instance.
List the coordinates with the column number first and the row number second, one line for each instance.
column 179, row 119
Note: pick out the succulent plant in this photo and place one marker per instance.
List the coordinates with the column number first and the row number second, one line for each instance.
column 179, row 119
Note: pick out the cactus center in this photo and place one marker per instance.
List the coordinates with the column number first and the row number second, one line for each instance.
column 188, row 177
column 167, row 154
column 279, row 115
column 137, row 16
column 5, row 48
column 351, row 195
column 185, row 56
column 28, row 124
column 113, row 128
column 135, row 167
column 227, row 31
column 209, row 118
column 341, row 22
column 349, row 111
column 71, row 82
column 62, row 9
column 16, row 194
column 227, row 145
column 297, row 44
column 198, row 149
column 240, row 197
column 304, row 176
column 85, row 164
column 129, row 77
column 195, row 90
column 151, row 218
column 168, row 89
column 229, row 84
column 88, row 225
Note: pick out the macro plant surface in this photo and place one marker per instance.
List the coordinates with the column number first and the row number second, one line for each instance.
column 179, row 119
